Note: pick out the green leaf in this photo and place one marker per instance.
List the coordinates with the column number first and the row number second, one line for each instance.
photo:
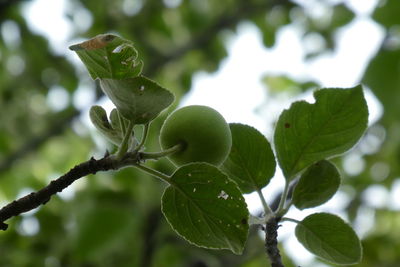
column 138, row 99
column 115, row 120
column 98, row 116
column 206, row 208
column 329, row 237
column 109, row 56
column 306, row 133
column 251, row 162
column 316, row 185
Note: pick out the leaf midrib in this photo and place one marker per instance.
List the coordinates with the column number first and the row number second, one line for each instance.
column 321, row 241
column 210, row 218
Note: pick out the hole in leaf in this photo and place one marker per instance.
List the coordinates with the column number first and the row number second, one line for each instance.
column 118, row 49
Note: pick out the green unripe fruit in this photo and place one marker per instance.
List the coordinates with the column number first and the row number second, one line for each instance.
column 204, row 133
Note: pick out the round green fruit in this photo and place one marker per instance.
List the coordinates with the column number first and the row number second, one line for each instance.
column 201, row 130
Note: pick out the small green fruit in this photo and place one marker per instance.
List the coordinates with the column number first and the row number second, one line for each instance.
column 204, row 133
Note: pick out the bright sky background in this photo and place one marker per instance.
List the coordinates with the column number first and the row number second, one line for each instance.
column 236, row 91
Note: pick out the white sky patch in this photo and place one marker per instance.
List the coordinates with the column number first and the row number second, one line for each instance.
column 29, row 226
column 365, row 221
column 84, row 96
column 357, row 43
column 57, row 98
column 235, row 89
column 376, row 196
column 394, row 195
column 47, row 17
column 10, row 33
column 364, row 7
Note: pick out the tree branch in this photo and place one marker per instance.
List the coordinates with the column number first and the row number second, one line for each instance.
column 92, row 166
column 271, row 242
column 243, row 10
column 36, row 141
column 41, row 197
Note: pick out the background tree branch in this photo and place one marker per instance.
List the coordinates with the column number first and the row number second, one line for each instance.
column 202, row 38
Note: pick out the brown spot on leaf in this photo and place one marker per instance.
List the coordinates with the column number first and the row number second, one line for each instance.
column 97, row 42
column 287, row 125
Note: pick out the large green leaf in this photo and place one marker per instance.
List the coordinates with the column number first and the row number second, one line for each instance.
column 316, row 185
column 306, row 133
column 206, row 208
column 251, row 162
column 138, row 99
column 109, row 56
column 329, row 237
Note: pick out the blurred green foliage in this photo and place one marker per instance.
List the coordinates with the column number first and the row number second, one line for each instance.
column 114, row 219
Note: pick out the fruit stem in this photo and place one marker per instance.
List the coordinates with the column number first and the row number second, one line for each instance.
column 154, row 173
column 161, row 154
column 124, row 145
column 144, row 137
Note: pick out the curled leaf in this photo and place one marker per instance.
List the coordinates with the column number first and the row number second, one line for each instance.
column 98, row 116
column 109, row 56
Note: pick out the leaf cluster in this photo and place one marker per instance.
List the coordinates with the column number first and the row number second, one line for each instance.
column 204, row 203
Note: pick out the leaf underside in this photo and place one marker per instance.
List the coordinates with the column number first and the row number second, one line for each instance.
column 307, row 133
column 329, row 237
column 251, row 162
column 206, row 208
column 316, row 185
column 138, row 99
